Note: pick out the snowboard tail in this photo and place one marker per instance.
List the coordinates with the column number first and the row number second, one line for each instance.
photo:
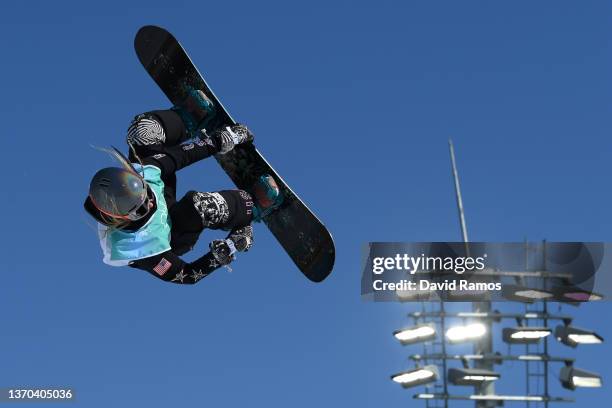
column 296, row 228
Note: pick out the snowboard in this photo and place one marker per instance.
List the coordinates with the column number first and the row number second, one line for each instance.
column 296, row 228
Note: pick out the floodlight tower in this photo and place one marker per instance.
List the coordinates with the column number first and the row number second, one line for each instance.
column 483, row 345
column 532, row 286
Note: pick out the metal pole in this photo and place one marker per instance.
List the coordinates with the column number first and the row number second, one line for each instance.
column 443, row 330
column 546, row 339
column 527, row 363
column 464, row 234
column 485, row 344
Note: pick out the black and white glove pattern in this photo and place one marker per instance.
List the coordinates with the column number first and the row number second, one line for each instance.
column 230, row 136
column 223, row 250
column 239, row 240
column 242, row 238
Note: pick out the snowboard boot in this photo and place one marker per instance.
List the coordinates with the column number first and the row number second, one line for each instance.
column 196, row 110
column 268, row 197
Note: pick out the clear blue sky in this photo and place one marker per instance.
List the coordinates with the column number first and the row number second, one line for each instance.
column 353, row 103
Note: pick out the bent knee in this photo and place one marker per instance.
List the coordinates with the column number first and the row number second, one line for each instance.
column 145, row 130
column 212, row 208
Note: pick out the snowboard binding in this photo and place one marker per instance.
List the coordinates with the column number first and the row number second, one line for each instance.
column 268, row 197
column 196, row 110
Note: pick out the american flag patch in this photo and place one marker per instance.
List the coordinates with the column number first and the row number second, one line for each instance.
column 162, row 267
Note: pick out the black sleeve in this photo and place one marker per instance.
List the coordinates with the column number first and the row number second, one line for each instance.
column 171, row 268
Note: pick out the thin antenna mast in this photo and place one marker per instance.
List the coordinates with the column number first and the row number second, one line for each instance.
column 484, row 345
column 458, row 192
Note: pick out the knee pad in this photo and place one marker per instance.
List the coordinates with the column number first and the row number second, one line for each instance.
column 213, row 209
column 145, row 130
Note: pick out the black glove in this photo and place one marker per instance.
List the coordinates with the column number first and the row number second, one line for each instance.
column 239, row 240
column 242, row 238
column 223, row 250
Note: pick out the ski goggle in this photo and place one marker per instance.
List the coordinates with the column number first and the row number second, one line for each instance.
column 135, row 213
column 143, row 209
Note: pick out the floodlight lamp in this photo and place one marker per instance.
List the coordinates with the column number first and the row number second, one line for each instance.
column 573, row 336
column 418, row 376
column 468, row 332
column 471, row 376
column 572, row 378
column 575, row 294
column 533, row 294
column 524, row 334
column 525, row 294
column 583, row 296
column 404, row 295
column 474, row 295
column 416, row 334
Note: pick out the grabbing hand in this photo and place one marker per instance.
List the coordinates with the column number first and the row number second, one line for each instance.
column 242, row 238
column 239, row 240
column 230, row 136
column 223, row 250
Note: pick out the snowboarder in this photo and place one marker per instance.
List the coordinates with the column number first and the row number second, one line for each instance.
column 140, row 222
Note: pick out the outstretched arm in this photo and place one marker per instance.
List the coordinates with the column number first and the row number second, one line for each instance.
column 171, row 268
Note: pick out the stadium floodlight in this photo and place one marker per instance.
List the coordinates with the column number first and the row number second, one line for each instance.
column 525, row 334
column 572, row 378
column 573, row 336
column 524, row 294
column 416, row 334
column 471, row 376
column 582, row 296
column 404, row 295
column 468, row 332
column 418, row 376
column 575, row 294
column 467, row 295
